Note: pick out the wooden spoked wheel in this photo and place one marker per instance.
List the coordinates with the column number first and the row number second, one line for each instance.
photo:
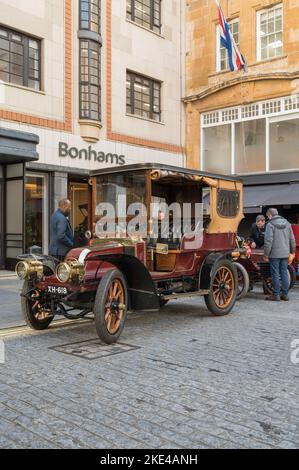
column 223, row 287
column 110, row 307
column 114, row 308
column 35, row 314
column 39, row 312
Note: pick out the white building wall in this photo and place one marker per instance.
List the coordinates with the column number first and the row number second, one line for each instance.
column 133, row 48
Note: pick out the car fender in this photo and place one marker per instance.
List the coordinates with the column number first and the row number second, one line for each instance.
column 207, row 268
column 141, row 287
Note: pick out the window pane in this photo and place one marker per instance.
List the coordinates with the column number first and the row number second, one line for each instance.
column 251, row 146
column 217, row 149
column 284, row 145
column 146, row 96
column 271, row 37
column 146, row 13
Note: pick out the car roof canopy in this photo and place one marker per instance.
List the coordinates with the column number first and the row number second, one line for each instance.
column 184, row 172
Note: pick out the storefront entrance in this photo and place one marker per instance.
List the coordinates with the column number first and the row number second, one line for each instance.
column 79, row 196
column 16, row 148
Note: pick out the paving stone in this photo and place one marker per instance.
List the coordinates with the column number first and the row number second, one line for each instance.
column 184, row 379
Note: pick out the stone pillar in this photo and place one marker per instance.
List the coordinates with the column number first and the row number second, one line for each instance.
column 59, row 189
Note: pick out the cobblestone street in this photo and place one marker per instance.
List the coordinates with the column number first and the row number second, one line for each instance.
column 184, row 380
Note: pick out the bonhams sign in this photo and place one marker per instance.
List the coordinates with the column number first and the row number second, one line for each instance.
column 89, row 154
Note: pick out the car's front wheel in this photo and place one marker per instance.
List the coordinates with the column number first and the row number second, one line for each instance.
column 110, row 309
column 35, row 313
column 223, row 290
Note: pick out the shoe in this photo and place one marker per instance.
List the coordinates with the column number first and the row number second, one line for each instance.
column 285, row 298
column 273, row 298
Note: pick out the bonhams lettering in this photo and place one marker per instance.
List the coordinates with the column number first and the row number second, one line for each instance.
column 90, row 154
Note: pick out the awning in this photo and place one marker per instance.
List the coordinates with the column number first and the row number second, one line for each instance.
column 17, row 147
column 257, row 197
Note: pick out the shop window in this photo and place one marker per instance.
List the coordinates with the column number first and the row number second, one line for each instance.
column 20, row 59
column 143, row 97
column 36, row 212
column 270, row 33
column 217, row 149
column 284, row 145
column 146, row 13
column 251, row 146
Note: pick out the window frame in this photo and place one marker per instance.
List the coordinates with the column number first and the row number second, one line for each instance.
column 219, row 47
column 89, row 21
column 25, row 42
column 151, row 25
column 88, row 83
column 152, row 82
column 258, row 32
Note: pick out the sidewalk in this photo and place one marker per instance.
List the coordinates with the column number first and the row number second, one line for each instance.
column 10, row 305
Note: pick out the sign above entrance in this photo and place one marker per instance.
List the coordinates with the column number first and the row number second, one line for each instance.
column 89, row 154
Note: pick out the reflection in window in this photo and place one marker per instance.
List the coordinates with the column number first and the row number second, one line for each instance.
column 284, row 145
column 217, row 149
column 251, row 146
column 90, row 15
column 36, row 211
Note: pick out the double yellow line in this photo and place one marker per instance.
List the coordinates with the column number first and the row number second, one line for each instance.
column 25, row 330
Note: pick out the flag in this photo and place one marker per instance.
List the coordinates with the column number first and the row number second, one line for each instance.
column 236, row 59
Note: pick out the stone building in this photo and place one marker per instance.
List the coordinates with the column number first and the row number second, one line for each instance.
column 83, row 84
column 247, row 122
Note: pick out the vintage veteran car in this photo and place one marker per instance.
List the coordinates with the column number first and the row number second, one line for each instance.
column 129, row 264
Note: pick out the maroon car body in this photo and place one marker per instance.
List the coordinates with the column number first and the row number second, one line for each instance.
column 115, row 274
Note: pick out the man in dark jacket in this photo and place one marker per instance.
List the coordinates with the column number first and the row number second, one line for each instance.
column 280, row 243
column 61, row 234
column 257, row 235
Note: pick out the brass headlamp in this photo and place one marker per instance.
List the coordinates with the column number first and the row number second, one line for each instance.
column 70, row 271
column 29, row 268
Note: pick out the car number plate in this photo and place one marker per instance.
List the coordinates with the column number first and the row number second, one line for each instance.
column 57, row 290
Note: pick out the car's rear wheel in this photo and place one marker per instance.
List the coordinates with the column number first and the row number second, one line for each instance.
column 110, row 309
column 243, row 281
column 36, row 315
column 267, row 283
column 223, row 291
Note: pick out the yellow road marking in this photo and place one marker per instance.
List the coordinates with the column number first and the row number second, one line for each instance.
column 19, row 330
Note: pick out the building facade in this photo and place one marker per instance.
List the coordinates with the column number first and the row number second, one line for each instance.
column 246, row 123
column 84, row 84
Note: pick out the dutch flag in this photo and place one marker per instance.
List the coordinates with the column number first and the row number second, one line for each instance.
column 236, row 59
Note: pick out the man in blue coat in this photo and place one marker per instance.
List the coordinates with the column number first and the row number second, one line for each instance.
column 61, row 233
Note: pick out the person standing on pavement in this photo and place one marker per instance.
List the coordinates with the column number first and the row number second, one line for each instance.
column 279, row 245
column 61, row 233
column 257, row 235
